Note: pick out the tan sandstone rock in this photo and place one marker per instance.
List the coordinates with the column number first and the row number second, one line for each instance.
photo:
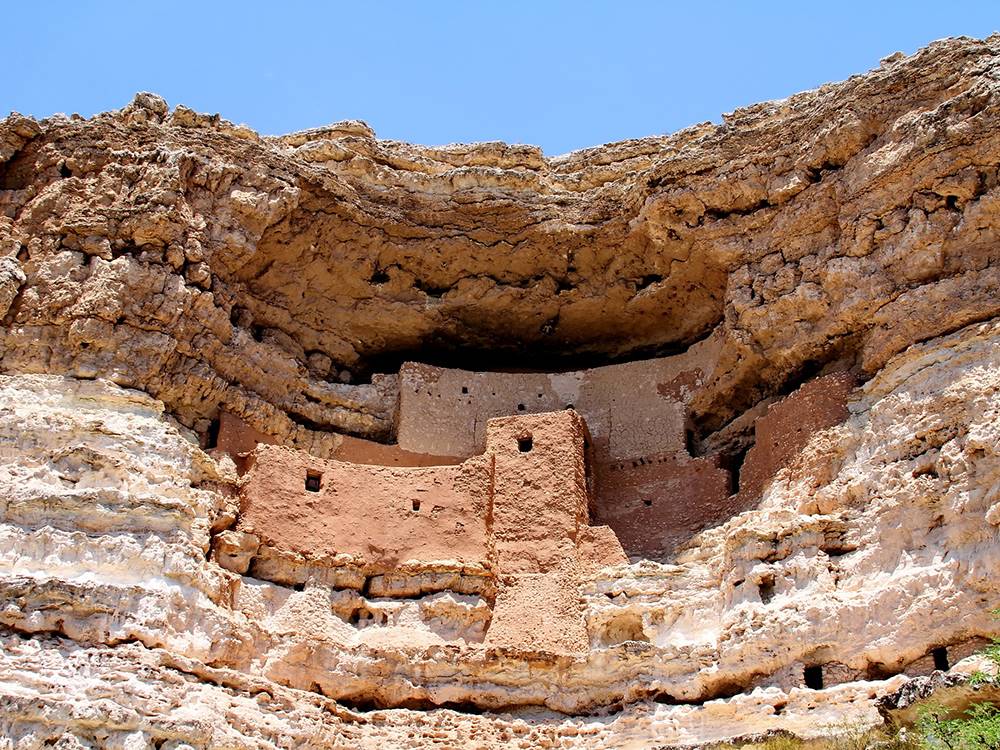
column 203, row 332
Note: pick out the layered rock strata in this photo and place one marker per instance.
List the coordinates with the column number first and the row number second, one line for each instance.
column 815, row 277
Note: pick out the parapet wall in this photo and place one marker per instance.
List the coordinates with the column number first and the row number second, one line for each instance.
column 237, row 439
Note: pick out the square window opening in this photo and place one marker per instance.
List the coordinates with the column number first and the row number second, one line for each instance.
column 314, row 480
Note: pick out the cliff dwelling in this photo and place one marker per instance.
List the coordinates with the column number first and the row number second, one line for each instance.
column 329, row 440
column 637, row 474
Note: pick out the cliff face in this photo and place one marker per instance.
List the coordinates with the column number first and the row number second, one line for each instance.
column 161, row 272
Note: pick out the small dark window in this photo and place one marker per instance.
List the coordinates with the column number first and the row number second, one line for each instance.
column 416, row 505
column 647, row 502
column 814, row 677
column 313, row 480
column 465, row 389
column 940, row 655
column 525, row 444
column 520, row 407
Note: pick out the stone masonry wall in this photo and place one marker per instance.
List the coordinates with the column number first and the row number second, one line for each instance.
column 655, row 503
column 631, row 409
column 783, row 431
column 520, row 511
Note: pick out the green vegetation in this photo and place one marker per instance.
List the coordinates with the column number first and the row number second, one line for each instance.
column 977, row 729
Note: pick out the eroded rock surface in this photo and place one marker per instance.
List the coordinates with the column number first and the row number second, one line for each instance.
column 207, row 265
column 817, row 274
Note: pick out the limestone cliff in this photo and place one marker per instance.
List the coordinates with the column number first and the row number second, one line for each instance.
column 780, row 334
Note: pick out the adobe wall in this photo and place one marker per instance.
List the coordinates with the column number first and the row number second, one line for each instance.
column 520, row 510
column 632, row 409
column 361, row 451
column 238, row 439
column 784, row 429
column 381, row 516
column 656, row 503
column 541, row 532
column 539, row 490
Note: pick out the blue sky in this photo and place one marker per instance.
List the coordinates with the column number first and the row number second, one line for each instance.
column 562, row 75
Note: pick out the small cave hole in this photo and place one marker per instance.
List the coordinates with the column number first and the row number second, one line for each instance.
column 415, row 504
column 257, row 332
column 300, row 586
column 465, row 389
column 940, row 655
column 525, row 444
column 814, row 677
column 65, row 171
column 313, row 481
column 766, row 589
column 570, row 407
column 520, row 407
column 733, row 463
column 951, row 202
column 212, row 434
column 879, row 671
column 379, row 277
column 647, row 502
column 648, row 280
